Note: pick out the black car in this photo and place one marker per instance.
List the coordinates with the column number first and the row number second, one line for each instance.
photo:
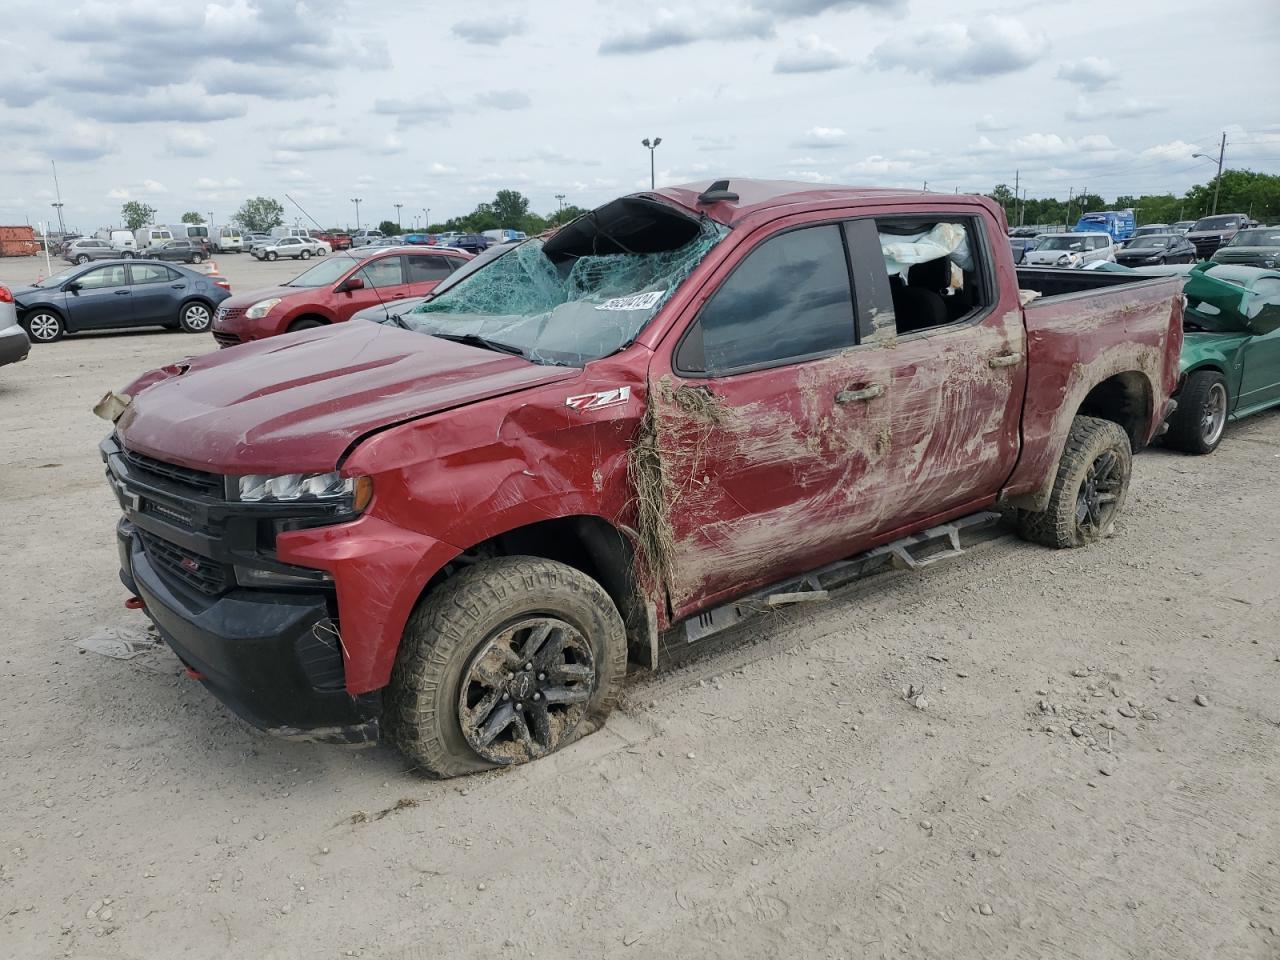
column 471, row 242
column 1156, row 248
column 119, row 293
column 1255, row 247
column 180, row 251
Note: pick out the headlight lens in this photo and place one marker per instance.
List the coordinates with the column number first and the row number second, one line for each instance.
column 261, row 308
column 259, row 488
column 1064, row 259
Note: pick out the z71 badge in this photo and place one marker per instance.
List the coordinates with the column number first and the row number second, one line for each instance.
column 604, row 398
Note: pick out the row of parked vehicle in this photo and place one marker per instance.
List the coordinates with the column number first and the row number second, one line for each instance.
column 1231, row 238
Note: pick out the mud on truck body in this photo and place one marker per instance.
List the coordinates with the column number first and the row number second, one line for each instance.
column 689, row 405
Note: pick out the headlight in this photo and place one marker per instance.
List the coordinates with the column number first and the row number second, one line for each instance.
column 263, row 488
column 1269, row 263
column 1064, row 260
column 261, row 308
column 1150, row 259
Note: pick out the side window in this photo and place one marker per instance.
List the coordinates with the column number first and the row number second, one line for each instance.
column 386, row 272
column 787, row 300
column 1267, row 287
column 936, row 269
column 150, row 273
column 428, row 268
column 103, row 277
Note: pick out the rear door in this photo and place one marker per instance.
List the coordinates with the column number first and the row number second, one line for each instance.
column 425, row 270
column 1260, row 380
column 103, row 299
column 767, row 415
column 157, row 291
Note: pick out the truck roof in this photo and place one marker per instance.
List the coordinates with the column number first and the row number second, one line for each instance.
column 760, row 196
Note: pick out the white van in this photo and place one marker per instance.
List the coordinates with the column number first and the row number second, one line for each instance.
column 228, row 240
column 1070, row 249
column 281, row 232
column 189, row 231
column 151, row 236
column 119, row 239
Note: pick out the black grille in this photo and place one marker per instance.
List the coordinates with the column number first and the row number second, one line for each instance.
column 206, row 483
column 226, row 339
column 166, row 512
column 200, row 573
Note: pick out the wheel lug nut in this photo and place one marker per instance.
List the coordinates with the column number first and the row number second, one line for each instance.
column 519, row 705
column 537, row 696
column 528, row 666
column 506, row 696
column 542, row 676
column 511, row 676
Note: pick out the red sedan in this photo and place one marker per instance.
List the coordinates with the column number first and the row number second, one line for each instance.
column 332, row 291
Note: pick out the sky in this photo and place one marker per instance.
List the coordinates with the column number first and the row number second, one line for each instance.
column 199, row 104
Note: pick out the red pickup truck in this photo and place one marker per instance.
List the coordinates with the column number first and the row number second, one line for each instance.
column 689, row 406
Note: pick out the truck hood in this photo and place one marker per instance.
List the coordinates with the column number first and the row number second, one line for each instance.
column 296, row 403
column 246, row 300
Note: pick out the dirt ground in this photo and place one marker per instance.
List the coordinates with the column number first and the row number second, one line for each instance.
column 773, row 797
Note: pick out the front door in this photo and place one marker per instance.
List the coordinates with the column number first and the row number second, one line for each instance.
column 1260, row 379
column 383, row 282
column 768, row 420
column 103, row 299
column 157, row 291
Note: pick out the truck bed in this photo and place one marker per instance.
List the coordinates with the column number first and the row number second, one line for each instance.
column 1057, row 282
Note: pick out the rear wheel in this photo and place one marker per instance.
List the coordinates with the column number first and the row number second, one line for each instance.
column 1089, row 489
column 1200, row 421
column 127, row 255
column 305, row 255
column 508, row 661
column 44, row 326
column 194, row 317
column 196, row 258
column 82, row 259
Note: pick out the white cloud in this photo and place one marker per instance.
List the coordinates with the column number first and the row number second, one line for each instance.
column 1174, row 150
column 311, row 138
column 1086, row 111
column 989, row 123
column 1038, row 145
column 391, row 144
column 209, row 184
column 1091, row 73
column 808, row 176
column 822, row 138
column 876, row 164
column 989, row 47
column 810, row 55
column 188, row 142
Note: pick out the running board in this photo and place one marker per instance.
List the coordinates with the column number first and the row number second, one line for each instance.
column 915, row 552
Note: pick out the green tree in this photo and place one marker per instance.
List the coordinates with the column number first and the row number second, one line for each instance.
column 510, row 207
column 389, row 228
column 137, row 214
column 259, row 214
column 564, row 215
column 192, row 217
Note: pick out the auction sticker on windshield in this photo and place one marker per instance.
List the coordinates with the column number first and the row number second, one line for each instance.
column 637, row 301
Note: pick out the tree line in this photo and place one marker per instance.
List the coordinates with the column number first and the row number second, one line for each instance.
column 1241, row 191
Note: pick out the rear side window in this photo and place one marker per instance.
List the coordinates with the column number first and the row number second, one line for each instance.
column 150, row 273
column 113, row 276
column 386, row 272
column 787, row 300
column 429, row 268
column 936, row 271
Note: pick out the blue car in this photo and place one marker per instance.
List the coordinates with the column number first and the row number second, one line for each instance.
column 119, row 293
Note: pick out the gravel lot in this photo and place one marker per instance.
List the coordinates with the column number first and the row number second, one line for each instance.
column 772, row 797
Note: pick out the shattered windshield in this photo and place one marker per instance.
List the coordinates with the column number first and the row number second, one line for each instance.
column 584, row 293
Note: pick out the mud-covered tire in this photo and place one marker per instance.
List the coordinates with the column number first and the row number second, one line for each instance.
column 1200, row 422
column 1059, row 524
column 456, row 620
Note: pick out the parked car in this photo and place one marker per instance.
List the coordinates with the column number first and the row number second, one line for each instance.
column 678, row 411
column 14, row 344
column 417, row 239
column 296, row 248
column 1183, row 226
column 335, row 241
column 179, row 251
column 504, row 235
column 364, row 237
column 1257, row 246
column 1020, row 246
column 390, row 310
column 119, row 239
column 330, row 292
column 1070, row 250
column 1151, row 229
column 1154, row 248
column 470, row 242
column 147, row 237
column 1231, row 355
column 119, row 293
column 91, row 248
column 229, row 240
column 1210, row 233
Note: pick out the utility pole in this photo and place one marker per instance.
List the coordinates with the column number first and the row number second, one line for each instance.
column 210, row 218
column 1070, row 196
column 1217, row 184
column 652, row 147
column 926, row 185
column 356, row 201
column 1022, row 211
column 398, row 226
column 560, row 200
column 1016, row 175
column 57, row 205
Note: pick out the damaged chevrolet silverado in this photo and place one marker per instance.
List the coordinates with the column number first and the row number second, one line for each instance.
column 454, row 529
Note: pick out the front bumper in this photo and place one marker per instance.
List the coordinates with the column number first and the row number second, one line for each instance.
column 14, row 345
column 272, row 657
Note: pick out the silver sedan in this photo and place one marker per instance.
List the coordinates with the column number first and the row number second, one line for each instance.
column 299, row 248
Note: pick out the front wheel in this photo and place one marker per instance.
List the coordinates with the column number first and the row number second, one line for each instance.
column 127, row 255
column 194, row 318
column 1089, row 489
column 1200, row 421
column 507, row 661
column 273, row 255
column 196, row 258
column 305, row 255
column 44, row 326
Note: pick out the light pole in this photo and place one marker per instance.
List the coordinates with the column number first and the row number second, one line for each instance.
column 356, row 201
column 1217, row 183
column 399, row 228
column 57, row 205
column 426, row 218
column 652, row 147
column 211, row 218
column 560, row 208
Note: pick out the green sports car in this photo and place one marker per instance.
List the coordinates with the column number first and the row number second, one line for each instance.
column 1230, row 353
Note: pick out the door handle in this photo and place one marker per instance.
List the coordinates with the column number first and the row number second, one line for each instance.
column 122, row 293
column 866, row 393
column 177, row 286
column 1005, row 360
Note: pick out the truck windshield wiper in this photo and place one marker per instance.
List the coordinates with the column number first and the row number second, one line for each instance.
column 475, row 340
column 397, row 320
